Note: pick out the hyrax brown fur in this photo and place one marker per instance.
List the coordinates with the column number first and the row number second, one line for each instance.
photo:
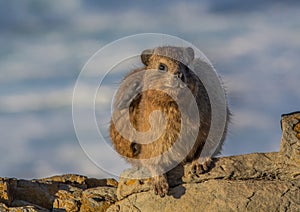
column 158, row 86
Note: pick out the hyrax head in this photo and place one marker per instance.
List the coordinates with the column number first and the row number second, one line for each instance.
column 169, row 65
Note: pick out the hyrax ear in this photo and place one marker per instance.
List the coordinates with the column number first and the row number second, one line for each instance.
column 190, row 54
column 146, row 54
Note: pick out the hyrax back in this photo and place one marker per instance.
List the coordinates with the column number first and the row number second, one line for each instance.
column 159, row 86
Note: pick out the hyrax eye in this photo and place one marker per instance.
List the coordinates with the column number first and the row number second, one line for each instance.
column 162, row 67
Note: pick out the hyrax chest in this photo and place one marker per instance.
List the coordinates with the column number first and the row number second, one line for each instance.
column 158, row 115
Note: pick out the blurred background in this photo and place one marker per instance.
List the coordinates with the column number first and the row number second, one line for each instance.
column 254, row 45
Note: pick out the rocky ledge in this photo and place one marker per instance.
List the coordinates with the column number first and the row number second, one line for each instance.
column 253, row 182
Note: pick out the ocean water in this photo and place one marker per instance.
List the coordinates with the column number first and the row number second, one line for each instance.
column 44, row 46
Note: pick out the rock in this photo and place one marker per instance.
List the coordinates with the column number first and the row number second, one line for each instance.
column 290, row 141
column 80, row 181
column 3, row 207
column 18, row 205
column 98, row 199
column 93, row 182
column 68, row 199
column 252, row 182
column 42, row 194
column 218, row 195
column 129, row 185
column 58, row 193
column 5, row 193
column 24, row 208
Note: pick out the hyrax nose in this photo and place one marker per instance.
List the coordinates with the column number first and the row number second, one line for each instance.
column 179, row 75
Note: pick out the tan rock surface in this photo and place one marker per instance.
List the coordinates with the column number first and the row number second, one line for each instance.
column 253, row 182
column 58, row 193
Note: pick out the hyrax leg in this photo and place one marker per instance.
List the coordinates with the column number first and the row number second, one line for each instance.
column 201, row 165
column 159, row 183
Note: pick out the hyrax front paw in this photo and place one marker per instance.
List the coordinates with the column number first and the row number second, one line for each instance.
column 160, row 185
column 200, row 166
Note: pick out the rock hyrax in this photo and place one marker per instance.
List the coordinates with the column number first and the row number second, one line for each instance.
column 158, row 86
